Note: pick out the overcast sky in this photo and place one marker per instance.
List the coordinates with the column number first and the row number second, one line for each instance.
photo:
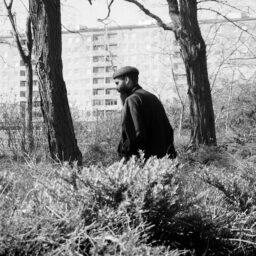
column 80, row 12
column 122, row 13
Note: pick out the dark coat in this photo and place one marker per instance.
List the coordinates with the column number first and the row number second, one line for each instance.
column 145, row 126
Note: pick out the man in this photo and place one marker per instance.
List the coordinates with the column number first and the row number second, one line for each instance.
column 145, row 125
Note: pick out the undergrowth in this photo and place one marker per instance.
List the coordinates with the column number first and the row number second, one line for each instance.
column 189, row 206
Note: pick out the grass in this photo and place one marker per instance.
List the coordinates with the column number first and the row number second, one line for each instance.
column 200, row 204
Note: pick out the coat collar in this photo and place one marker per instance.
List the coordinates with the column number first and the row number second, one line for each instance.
column 135, row 88
column 124, row 96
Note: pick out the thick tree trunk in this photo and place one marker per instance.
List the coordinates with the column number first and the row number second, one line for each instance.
column 46, row 21
column 193, row 52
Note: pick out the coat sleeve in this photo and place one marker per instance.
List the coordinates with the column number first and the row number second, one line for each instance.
column 134, row 135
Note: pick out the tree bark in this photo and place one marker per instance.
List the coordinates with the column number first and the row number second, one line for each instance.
column 193, row 51
column 46, row 21
column 29, row 107
column 29, row 88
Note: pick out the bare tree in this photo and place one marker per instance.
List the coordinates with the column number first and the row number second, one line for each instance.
column 27, row 60
column 46, row 21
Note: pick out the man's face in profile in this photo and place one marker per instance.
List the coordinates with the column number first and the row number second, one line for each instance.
column 123, row 84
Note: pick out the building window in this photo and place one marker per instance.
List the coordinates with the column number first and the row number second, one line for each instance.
column 22, row 94
column 176, row 54
column 98, row 47
column 110, row 68
column 36, row 104
column 98, row 91
column 111, row 91
column 111, row 58
column 112, row 35
column 22, row 73
column 108, row 80
column 112, row 47
column 22, row 83
column 110, row 112
column 111, row 102
column 97, row 102
column 98, row 70
column 37, row 114
column 98, row 37
column 98, row 58
column 22, row 63
column 22, row 104
column 98, row 80
column 180, row 78
column 36, row 94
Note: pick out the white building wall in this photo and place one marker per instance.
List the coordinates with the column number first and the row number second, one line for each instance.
column 90, row 55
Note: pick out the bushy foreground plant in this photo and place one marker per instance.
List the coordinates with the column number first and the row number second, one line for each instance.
column 160, row 207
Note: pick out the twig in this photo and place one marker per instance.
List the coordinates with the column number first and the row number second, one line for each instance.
column 109, row 10
column 240, row 241
column 229, row 20
column 153, row 16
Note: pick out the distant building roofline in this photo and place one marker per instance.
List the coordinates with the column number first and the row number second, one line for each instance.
column 153, row 25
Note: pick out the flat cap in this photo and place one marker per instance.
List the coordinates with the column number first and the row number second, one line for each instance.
column 124, row 71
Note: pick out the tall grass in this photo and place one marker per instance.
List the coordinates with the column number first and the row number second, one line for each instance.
column 161, row 207
column 202, row 203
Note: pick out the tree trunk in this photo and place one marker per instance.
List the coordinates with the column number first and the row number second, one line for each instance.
column 193, row 51
column 46, row 21
column 29, row 107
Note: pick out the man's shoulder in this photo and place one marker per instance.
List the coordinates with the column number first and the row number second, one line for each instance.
column 144, row 94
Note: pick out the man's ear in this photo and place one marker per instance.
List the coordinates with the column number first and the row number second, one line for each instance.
column 126, row 79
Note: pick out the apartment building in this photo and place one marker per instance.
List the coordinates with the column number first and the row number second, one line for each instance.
column 90, row 55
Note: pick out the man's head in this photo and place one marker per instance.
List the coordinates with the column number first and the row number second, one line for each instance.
column 126, row 78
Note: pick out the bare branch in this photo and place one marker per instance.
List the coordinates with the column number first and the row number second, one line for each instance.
column 10, row 4
column 224, row 61
column 229, row 20
column 153, row 16
column 29, row 36
column 221, row 3
column 16, row 34
column 109, row 10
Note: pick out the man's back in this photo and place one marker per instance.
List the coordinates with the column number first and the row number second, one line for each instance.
column 145, row 114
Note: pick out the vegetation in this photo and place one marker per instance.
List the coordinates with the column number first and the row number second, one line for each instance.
column 203, row 203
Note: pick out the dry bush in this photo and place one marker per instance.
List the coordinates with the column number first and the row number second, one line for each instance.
column 98, row 139
column 161, row 207
column 13, row 138
column 45, row 212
